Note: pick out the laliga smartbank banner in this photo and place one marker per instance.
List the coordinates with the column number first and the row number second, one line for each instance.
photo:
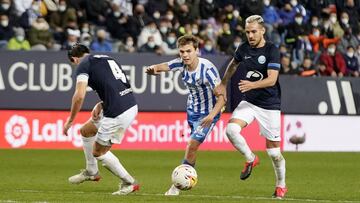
column 150, row 131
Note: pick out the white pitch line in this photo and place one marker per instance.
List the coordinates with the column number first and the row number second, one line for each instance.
column 189, row 195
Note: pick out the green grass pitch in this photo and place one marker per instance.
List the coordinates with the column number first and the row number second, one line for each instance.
column 41, row 176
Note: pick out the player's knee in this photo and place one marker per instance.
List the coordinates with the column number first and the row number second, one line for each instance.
column 232, row 130
column 275, row 155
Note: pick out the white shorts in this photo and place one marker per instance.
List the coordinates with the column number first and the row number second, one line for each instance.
column 112, row 130
column 269, row 120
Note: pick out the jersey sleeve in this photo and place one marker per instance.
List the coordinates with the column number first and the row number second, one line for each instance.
column 176, row 64
column 274, row 60
column 83, row 69
column 212, row 75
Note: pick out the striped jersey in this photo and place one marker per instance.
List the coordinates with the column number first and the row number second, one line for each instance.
column 200, row 83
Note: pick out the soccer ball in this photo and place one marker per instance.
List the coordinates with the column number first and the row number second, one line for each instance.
column 184, row 177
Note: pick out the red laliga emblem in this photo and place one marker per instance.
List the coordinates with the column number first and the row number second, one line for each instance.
column 17, row 131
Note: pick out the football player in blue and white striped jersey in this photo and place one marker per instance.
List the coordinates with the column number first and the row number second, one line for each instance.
column 203, row 108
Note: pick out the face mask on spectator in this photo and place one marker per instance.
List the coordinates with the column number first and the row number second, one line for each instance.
column 208, row 47
column 316, row 33
column 209, row 1
column 236, row 13
column 151, row 44
column 210, row 31
column 171, row 40
column 86, row 43
column 345, row 20
column 20, row 38
column 62, row 8
column 331, row 50
column 117, row 14
column 194, row 31
column 180, row 2
column 350, row 54
column 333, row 19
column 315, row 23
column 35, row 7
column 293, row 3
column 170, row 17
column 163, row 30
column 236, row 44
column 266, row 2
column 156, row 15
column 298, row 20
column 152, row 29
column 5, row 6
column 4, row 23
column 129, row 43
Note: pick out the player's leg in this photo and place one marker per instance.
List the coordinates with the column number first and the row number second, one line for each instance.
column 112, row 131
column 241, row 117
column 269, row 121
column 91, row 173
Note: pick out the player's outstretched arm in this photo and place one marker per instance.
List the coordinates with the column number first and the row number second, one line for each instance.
column 96, row 111
column 157, row 69
column 220, row 103
column 76, row 103
column 230, row 70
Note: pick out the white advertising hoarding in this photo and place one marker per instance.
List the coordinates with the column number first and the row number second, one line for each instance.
column 321, row 133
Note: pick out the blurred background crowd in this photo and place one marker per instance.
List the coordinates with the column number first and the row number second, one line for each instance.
column 315, row 37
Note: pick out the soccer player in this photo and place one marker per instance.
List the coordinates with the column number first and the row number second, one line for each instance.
column 261, row 90
column 203, row 108
column 118, row 107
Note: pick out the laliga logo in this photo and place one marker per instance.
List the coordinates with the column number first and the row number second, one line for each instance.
column 17, row 131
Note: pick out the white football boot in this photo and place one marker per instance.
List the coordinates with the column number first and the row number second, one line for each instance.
column 126, row 188
column 173, row 191
column 84, row 176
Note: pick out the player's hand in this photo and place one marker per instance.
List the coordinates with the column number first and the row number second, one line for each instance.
column 206, row 121
column 220, row 90
column 67, row 125
column 151, row 70
column 245, row 85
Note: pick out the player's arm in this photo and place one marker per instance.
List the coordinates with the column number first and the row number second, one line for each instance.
column 96, row 111
column 76, row 103
column 157, row 69
column 220, row 103
column 245, row 85
column 230, row 70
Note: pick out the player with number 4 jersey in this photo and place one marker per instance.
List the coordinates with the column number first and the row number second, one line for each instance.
column 110, row 117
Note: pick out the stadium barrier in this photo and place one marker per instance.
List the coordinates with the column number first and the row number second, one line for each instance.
column 35, row 84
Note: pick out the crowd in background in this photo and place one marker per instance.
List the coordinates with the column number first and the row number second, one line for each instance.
column 315, row 37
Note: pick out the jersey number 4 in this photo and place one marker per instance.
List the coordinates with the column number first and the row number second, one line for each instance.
column 117, row 72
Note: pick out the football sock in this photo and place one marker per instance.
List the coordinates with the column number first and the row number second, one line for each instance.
column 91, row 162
column 186, row 162
column 278, row 164
column 112, row 163
column 238, row 141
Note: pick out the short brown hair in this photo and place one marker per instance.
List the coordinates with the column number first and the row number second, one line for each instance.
column 187, row 39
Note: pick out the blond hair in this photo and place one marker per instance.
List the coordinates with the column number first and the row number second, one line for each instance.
column 255, row 19
column 187, row 39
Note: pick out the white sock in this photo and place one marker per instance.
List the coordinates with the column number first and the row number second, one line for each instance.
column 279, row 165
column 112, row 163
column 238, row 141
column 91, row 162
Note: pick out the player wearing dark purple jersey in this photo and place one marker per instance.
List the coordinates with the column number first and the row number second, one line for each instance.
column 261, row 61
column 110, row 117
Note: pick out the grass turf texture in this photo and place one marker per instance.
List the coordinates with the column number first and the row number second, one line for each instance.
column 41, row 176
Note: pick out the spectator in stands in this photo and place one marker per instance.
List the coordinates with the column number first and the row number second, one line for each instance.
column 149, row 30
column 352, row 65
column 7, row 8
column 40, row 37
column 117, row 23
column 21, row 6
column 30, row 15
column 334, row 62
column 18, row 42
column 164, row 27
column 287, row 14
column 226, row 38
column 307, row 69
column 86, row 39
column 353, row 11
column 72, row 37
column 208, row 48
column 150, row 46
column 6, row 31
column 128, row 46
column 169, row 45
column 317, row 8
column 101, row 44
column 347, row 40
column 96, row 11
column 231, row 49
column 299, row 8
column 332, row 28
column 344, row 20
column 272, row 21
column 286, row 67
column 207, row 8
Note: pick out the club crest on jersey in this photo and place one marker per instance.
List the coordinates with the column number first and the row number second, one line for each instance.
column 262, row 59
column 254, row 75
